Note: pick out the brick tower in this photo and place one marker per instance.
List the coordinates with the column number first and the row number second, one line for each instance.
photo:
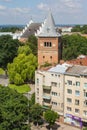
column 49, row 42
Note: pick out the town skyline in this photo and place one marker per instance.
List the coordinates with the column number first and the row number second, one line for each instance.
column 64, row 11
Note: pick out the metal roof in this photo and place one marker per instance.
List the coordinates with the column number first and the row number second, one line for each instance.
column 48, row 28
column 77, row 70
column 31, row 30
column 59, row 68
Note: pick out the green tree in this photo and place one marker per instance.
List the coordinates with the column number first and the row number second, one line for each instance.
column 32, row 100
column 24, row 50
column 13, row 110
column 50, row 116
column 22, row 69
column 36, row 113
column 10, row 29
column 78, row 28
column 8, row 50
column 32, row 42
column 73, row 45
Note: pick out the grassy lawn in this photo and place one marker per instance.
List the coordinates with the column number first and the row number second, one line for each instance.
column 2, row 71
column 20, row 89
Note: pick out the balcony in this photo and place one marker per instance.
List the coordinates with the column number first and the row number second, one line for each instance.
column 47, row 104
column 47, row 96
column 46, row 87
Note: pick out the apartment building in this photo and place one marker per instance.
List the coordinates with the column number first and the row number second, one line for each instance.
column 75, row 96
column 49, row 88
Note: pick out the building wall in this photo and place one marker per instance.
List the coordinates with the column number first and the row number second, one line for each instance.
column 51, row 54
column 55, row 94
column 76, row 106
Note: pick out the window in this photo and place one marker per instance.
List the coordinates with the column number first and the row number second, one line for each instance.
column 77, row 111
column 50, row 44
column 77, row 83
column 77, row 93
column 54, row 103
column 69, row 100
column 69, row 82
column 44, row 43
column 54, row 84
column 37, row 91
column 37, row 81
column 54, row 93
column 69, row 108
column 69, row 91
column 47, row 44
column 76, row 102
column 85, row 113
column 85, row 94
column 50, row 57
column 37, row 99
column 85, row 85
column 85, row 102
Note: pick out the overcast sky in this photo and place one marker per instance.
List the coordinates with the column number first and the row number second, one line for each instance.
column 64, row 11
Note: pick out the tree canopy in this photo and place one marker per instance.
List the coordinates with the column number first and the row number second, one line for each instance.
column 8, row 50
column 73, row 45
column 32, row 42
column 13, row 110
column 10, row 29
column 24, row 50
column 36, row 112
column 78, row 28
column 50, row 116
column 22, row 69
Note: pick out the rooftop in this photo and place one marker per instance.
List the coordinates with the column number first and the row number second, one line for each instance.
column 30, row 30
column 59, row 68
column 48, row 28
column 77, row 70
column 81, row 60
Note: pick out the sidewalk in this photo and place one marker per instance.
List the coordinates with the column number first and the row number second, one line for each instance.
column 57, row 126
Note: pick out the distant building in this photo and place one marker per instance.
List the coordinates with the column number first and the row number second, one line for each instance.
column 14, row 35
column 30, row 29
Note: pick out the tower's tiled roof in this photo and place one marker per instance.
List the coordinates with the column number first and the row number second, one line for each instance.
column 48, row 28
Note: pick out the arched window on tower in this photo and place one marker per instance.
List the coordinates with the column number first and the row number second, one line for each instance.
column 43, row 58
column 51, row 58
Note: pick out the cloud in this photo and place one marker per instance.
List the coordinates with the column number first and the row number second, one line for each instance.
column 2, row 8
column 42, row 6
column 72, row 3
column 21, row 10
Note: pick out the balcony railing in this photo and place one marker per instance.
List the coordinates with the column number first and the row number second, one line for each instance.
column 47, row 87
column 47, row 96
column 47, row 104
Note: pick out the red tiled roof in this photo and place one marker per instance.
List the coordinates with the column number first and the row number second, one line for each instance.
column 79, row 61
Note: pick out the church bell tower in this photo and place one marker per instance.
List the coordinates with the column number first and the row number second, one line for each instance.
column 49, row 42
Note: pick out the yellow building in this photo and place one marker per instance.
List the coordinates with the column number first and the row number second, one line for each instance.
column 75, row 99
